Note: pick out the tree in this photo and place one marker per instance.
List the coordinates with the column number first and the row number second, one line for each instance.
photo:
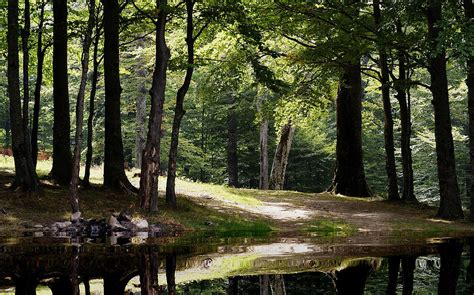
column 25, row 175
column 40, row 54
column 349, row 178
column 280, row 160
column 450, row 201
column 92, row 96
column 74, row 198
column 151, row 154
column 140, row 113
column 232, row 143
column 179, row 110
column 62, row 158
column 388, row 119
column 469, row 14
column 405, row 122
column 263, row 148
column 114, row 163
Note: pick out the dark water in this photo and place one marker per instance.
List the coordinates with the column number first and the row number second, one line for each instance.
column 206, row 265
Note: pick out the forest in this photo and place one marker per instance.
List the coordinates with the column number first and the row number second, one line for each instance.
column 357, row 98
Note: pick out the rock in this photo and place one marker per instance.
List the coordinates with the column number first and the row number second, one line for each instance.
column 124, row 216
column 38, row 226
column 76, row 217
column 115, row 224
column 140, row 223
column 62, row 225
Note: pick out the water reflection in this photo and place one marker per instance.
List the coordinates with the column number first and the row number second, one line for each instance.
column 276, row 268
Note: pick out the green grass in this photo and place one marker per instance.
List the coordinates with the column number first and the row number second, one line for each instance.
column 328, row 227
column 52, row 204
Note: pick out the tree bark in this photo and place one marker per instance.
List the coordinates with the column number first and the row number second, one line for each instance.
column 76, row 164
column 232, row 145
column 469, row 13
column 263, row 148
column 25, row 35
column 179, row 110
column 349, row 178
column 62, row 158
column 114, row 170
column 25, row 175
column 450, row 201
column 280, row 160
column 393, row 194
column 405, row 119
column 140, row 117
column 151, row 154
column 90, row 119
column 40, row 53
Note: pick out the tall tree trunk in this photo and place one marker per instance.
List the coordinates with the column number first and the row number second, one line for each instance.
column 280, row 160
column 263, row 148
column 232, row 145
column 405, row 118
column 40, row 53
column 90, row 119
column 25, row 175
column 76, row 165
column 26, row 85
column 349, row 178
column 179, row 110
column 171, row 273
column 151, row 154
column 469, row 13
column 393, row 194
column 140, row 106
column 114, row 170
column 140, row 136
column 277, row 285
column 61, row 171
column 450, row 201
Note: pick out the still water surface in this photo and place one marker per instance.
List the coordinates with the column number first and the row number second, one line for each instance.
column 207, row 265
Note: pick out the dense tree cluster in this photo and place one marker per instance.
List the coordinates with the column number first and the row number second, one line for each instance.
column 355, row 97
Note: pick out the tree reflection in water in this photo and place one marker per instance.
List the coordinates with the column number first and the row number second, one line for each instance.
column 63, row 269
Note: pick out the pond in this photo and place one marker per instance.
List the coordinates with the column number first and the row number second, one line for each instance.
column 234, row 265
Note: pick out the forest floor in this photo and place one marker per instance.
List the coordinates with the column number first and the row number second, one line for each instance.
column 216, row 208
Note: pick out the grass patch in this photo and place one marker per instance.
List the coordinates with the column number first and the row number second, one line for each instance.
column 327, row 227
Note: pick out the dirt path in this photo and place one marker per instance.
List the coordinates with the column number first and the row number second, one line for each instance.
column 367, row 216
